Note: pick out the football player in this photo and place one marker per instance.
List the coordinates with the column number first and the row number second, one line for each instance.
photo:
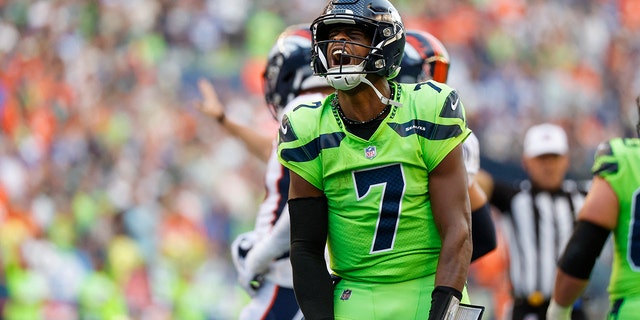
column 261, row 256
column 377, row 172
column 612, row 205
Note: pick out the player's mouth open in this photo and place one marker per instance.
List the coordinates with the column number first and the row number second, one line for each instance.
column 340, row 57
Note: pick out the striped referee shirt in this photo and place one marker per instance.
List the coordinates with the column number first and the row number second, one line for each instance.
column 537, row 225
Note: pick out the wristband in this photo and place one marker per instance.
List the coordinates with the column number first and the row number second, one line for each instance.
column 444, row 303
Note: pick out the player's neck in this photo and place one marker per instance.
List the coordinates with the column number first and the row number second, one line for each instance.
column 361, row 103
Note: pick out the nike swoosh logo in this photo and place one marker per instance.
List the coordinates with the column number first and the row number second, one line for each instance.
column 454, row 105
column 284, row 129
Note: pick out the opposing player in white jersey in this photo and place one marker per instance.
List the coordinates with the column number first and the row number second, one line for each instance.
column 261, row 256
column 425, row 58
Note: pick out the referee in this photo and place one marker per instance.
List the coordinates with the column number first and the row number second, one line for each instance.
column 537, row 218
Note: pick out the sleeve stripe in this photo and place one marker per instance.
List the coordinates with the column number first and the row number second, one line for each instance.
column 312, row 149
column 610, row 168
column 452, row 107
column 426, row 129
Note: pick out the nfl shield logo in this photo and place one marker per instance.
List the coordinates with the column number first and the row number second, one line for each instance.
column 370, row 152
column 346, row 294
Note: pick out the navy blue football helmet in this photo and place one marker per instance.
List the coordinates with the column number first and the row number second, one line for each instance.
column 380, row 20
column 288, row 70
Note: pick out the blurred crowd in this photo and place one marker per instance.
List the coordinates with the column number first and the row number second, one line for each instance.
column 118, row 199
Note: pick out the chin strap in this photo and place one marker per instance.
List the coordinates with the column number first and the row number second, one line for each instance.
column 386, row 101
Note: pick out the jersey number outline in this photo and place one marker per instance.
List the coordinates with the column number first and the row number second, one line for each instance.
column 391, row 179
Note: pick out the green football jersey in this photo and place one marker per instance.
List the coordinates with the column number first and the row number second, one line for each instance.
column 618, row 162
column 380, row 224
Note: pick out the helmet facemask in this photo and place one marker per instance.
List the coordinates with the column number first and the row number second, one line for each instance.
column 344, row 70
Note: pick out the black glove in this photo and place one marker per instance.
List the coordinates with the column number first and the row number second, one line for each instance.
column 444, row 303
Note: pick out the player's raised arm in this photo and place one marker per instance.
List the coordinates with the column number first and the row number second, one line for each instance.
column 259, row 144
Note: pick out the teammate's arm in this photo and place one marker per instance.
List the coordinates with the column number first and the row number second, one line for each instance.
column 309, row 225
column 452, row 214
column 483, row 230
column 258, row 144
column 600, row 214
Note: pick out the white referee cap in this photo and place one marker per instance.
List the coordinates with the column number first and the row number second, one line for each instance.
column 545, row 138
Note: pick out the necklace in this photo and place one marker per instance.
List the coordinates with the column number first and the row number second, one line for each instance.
column 336, row 106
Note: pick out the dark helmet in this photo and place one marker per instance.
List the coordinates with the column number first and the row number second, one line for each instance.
column 425, row 57
column 380, row 19
column 288, row 70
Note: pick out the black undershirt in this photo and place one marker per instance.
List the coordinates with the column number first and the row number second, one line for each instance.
column 366, row 130
column 363, row 130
